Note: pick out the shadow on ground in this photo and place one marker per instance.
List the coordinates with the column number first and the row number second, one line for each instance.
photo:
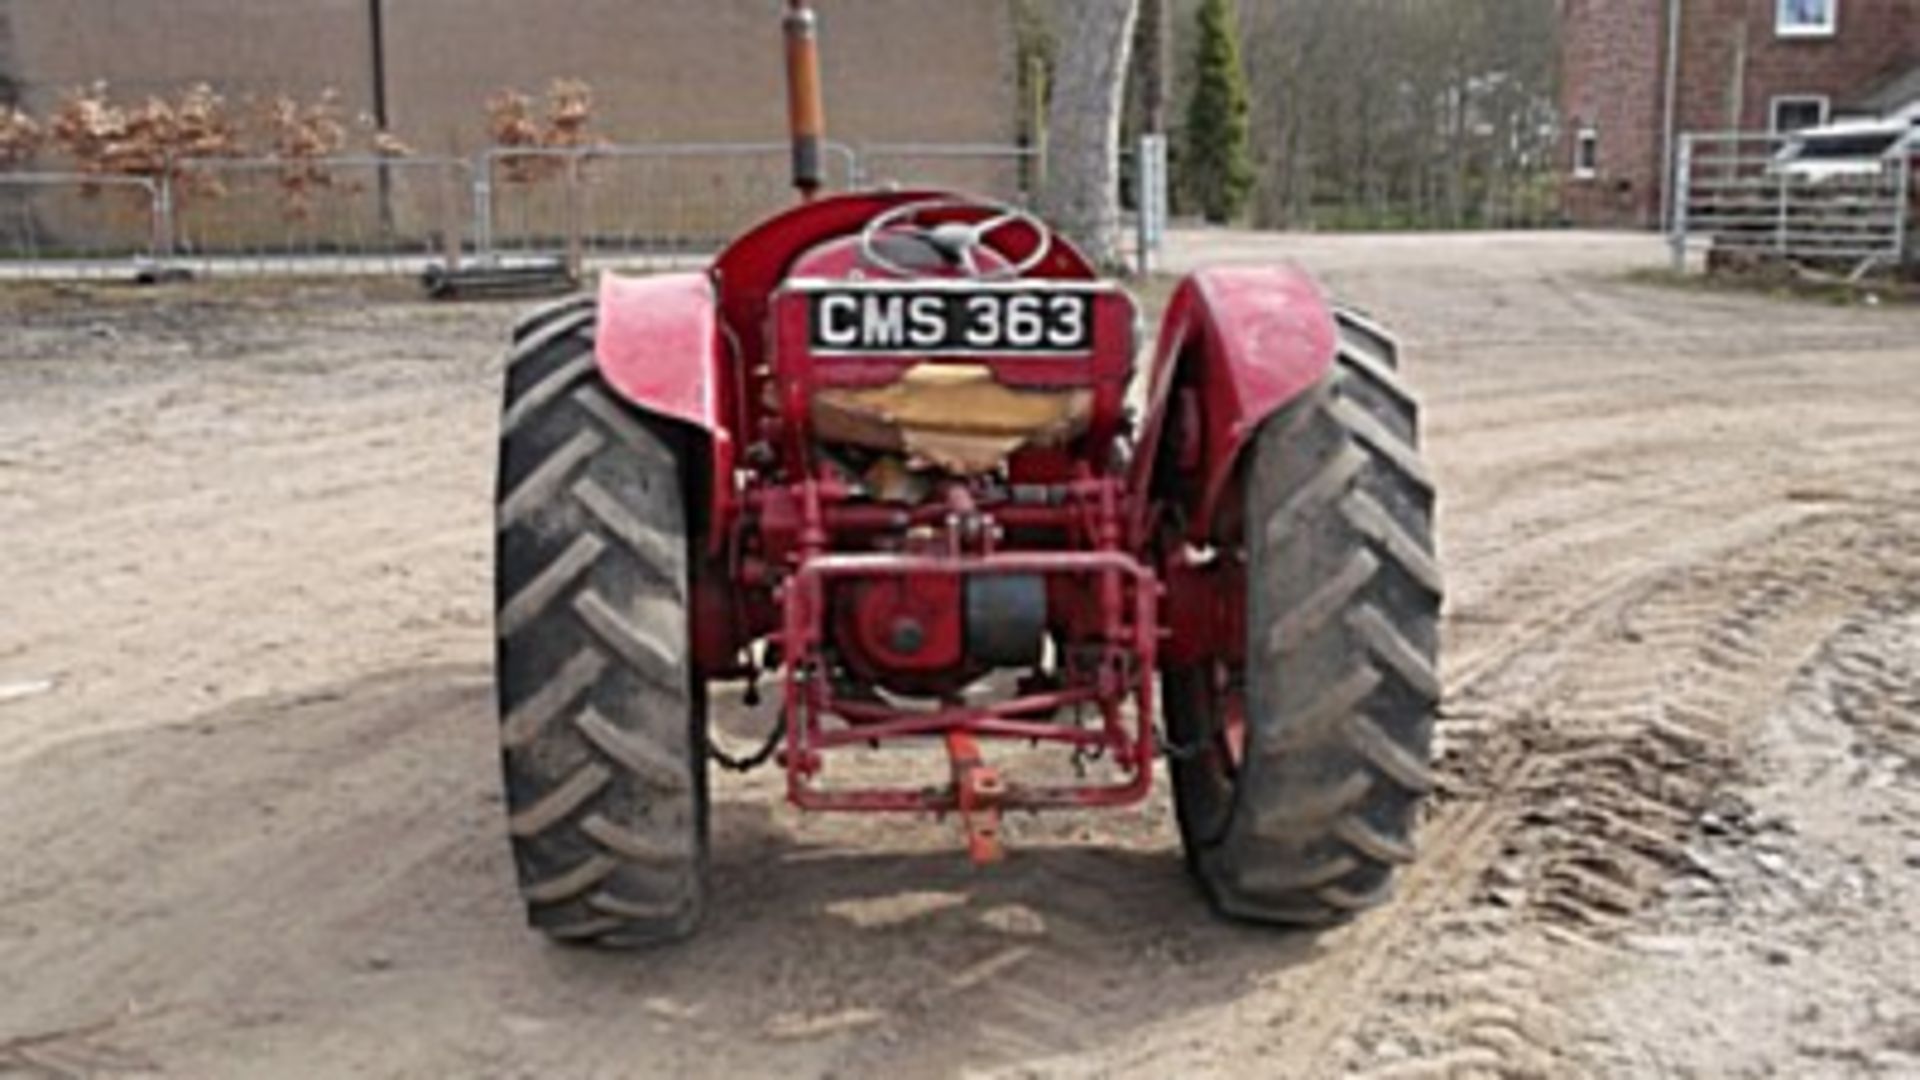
column 329, row 870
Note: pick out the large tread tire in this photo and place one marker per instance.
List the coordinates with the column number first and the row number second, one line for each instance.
column 1341, row 687
column 602, row 723
column 548, row 314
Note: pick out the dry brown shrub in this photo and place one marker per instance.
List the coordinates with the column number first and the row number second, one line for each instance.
column 155, row 139
column 305, row 138
column 569, row 113
column 301, row 137
column 565, row 124
column 20, row 137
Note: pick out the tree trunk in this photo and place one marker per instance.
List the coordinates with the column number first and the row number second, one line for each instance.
column 1154, row 41
column 1082, row 196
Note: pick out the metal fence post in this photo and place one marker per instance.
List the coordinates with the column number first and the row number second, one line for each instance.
column 1904, row 207
column 167, row 242
column 1682, row 200
column 575, row 219
column 1780, row 221
column 1151, row 178
column 483, row 204
column 446, row 203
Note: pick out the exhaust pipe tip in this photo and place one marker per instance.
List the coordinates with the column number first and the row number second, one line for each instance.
column 806, row 110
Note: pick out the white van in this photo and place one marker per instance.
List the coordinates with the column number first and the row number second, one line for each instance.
column 1847, row 149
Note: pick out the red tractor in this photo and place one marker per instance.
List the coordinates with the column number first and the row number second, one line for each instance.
column 890, row 450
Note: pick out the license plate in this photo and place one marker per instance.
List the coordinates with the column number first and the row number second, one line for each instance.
column 899, row 321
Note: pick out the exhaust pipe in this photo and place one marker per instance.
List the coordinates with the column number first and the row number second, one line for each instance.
column 806, row 112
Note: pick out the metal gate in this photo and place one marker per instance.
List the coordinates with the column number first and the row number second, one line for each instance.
column 1738, row 195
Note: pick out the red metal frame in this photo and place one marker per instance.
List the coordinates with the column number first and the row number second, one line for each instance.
column 825, row 540
column 809, row 696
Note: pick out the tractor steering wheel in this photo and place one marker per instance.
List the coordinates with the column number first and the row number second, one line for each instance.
column 959, row 241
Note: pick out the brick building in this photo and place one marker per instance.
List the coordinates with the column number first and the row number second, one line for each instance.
column 897, row 70
column 1739, row 65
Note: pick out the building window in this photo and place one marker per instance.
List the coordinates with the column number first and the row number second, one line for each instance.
column 1808, row 18
column 1797, row 112
column 1586, row 154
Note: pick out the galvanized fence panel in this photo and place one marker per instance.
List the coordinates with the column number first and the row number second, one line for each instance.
column 73, row 225
column 325, row 216
column 618, row 205
column 1013, row 174
column 647, row 204
column 1736, row 196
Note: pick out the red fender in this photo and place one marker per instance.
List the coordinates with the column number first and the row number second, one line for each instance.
column 660, row 346
column 1236, row 346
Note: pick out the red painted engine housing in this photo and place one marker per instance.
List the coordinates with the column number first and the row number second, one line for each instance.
column 904, row 633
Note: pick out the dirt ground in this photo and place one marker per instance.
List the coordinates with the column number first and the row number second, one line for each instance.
column 248, row 780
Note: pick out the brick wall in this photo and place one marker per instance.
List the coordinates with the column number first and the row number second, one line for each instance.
column 1732, row 64
column 1611, row 82
column 931, row 70
column 143, row 47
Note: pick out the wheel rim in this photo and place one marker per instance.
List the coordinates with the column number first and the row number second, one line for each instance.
column 1231, row 705
column 1212, row 726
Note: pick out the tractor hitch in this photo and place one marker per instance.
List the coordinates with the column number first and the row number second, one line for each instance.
column 977, row 793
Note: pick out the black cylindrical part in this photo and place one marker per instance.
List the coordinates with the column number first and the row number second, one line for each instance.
column 1006, row 619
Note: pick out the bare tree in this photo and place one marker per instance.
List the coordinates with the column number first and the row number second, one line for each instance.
column 1082, row 198
column 1152, row 39
column 1402, row 113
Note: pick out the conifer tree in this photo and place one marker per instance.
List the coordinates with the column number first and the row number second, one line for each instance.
column 1219, row 162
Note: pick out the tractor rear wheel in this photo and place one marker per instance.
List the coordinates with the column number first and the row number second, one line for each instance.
column 602, row 725
column 1305, row 771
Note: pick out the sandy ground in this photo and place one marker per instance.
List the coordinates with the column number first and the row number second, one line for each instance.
column 248, row 786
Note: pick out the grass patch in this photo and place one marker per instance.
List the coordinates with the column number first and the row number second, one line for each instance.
column 1784, row 283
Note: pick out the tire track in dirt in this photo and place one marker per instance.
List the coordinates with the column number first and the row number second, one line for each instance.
column 1497, row 760
column 1372, row 960
column 1587, row 809
column 1798, row 902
